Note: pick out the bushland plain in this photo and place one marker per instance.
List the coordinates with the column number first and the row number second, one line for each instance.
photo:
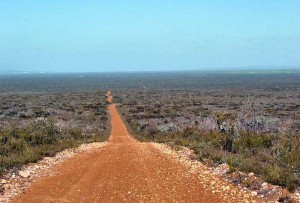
column 251, row 121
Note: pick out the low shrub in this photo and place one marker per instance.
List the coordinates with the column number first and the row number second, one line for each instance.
column 275, row 157
column 19, row 146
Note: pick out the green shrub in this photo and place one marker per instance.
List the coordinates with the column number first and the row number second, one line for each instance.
column 273, row 156
column 21, row 146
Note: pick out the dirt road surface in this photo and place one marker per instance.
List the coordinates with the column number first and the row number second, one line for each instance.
column 125, row 170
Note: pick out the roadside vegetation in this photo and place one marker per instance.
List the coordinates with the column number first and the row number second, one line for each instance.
column 252, row 128
column 274, row 157
column 249, row 121
column 35, row 125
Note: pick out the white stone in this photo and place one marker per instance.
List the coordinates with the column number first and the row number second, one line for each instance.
column 264, row 184
column 253, row 193
column 3, row 181
column 24, row 174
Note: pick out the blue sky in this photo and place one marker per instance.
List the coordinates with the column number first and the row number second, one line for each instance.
column 121, row 35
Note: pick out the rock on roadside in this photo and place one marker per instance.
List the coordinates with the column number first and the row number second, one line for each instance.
column 24, row 174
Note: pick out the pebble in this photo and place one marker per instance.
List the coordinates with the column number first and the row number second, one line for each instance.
column 253, row 193
column 251, row 174
column 24, row 174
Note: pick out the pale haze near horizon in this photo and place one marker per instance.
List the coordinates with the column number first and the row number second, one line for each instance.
column 95, row 36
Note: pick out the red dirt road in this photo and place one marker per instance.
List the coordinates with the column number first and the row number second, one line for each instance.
column 125, row 170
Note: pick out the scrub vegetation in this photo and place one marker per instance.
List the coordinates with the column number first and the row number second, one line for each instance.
column 35, row 125
column 253, row 127
column 249, row 121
